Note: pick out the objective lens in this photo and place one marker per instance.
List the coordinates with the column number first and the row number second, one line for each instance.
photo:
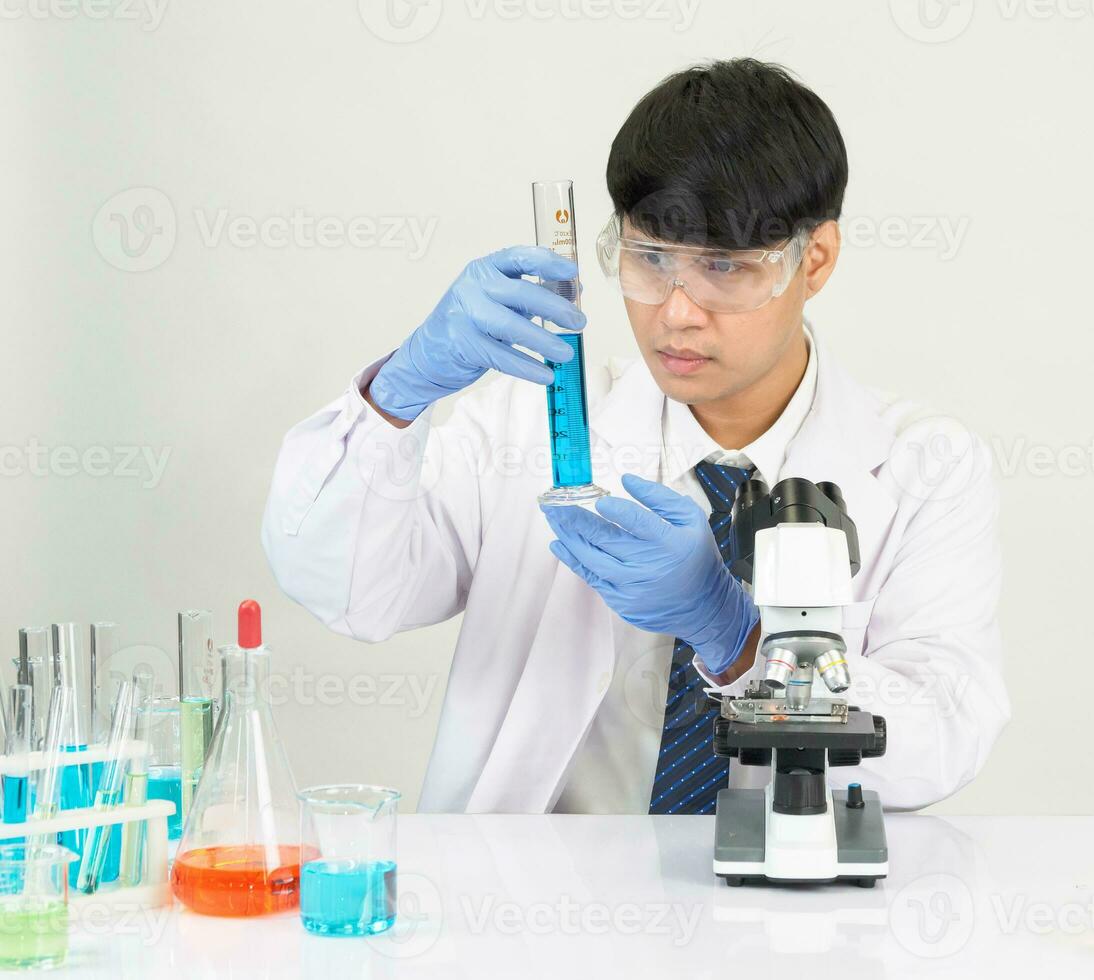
column 781, row 664
column 799, row 688
column 833, row 669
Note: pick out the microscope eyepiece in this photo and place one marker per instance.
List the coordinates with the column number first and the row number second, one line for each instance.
column 833, row 493
column 748, row 493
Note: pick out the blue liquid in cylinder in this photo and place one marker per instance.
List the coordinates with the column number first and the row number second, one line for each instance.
column 568, row 418
column 165, row 783
column 347, row 898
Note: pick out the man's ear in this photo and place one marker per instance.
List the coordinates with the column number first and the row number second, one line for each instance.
column 821, row 253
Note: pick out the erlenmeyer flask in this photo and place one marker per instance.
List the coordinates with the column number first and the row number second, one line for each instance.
column 240, row 848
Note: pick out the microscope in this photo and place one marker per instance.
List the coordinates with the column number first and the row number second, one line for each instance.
column 798, row 549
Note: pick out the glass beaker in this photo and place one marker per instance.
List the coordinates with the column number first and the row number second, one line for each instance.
column 162, row 718
column 347, row 886
column 240, row 851
column 33, row 905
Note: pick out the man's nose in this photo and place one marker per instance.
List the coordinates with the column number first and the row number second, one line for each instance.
column 680, row 311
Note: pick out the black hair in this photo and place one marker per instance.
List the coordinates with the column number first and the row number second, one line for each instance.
column 733, row 154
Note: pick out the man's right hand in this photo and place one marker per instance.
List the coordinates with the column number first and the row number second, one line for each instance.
column 485, row 312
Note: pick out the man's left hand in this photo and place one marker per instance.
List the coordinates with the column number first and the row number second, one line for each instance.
column 658, row 567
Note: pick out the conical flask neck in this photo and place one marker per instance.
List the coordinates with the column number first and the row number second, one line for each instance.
column 246, row 678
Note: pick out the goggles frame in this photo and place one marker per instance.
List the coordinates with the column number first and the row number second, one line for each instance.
column 611, row 243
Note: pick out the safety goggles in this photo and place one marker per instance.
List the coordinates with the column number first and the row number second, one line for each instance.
column 718, row 280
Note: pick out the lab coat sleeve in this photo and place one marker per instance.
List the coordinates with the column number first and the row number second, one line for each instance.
column 372, row 528
column 932, row 657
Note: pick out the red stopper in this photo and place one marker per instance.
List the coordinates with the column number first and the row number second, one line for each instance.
column 250, row 624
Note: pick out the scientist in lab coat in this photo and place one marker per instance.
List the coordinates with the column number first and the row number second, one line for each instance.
column 589, row 635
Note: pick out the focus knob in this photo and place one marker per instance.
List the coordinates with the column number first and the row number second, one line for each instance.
column 881, row 738
column 799, row 791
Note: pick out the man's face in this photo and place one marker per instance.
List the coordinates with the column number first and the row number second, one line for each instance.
column 697, row 356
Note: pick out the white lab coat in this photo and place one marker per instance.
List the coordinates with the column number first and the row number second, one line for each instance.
column 377, row 530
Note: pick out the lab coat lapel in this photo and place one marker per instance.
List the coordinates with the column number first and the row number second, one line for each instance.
column 626, row 426
column 844, row 438
column 572, row 658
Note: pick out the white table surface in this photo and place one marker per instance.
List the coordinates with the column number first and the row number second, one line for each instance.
column 581, row 896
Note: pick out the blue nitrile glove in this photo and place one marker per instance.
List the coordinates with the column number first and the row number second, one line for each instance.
column 659, row 569
column 485, row 311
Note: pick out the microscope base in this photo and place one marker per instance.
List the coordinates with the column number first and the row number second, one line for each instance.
column 753, row 843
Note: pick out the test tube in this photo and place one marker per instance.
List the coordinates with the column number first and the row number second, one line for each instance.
column 17, row 752
column 33, row 669
column 109, row 791
column 46, row 803
column 136, row 780
column 197, row 673
column 567, row 403
column 72, row 669
column 104, row 687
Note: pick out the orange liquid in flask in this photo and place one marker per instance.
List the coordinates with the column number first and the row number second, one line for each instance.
column 237, row 880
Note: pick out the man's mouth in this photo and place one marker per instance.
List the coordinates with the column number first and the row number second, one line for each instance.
column 682, row 362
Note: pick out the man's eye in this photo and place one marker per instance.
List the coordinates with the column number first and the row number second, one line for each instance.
column 722, row 266
column 654, row 259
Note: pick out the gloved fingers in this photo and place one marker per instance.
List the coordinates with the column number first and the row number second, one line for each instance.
column 632, row 518
column 503, row 324
column 504, row 358
column 533, row 299
column 564, row 555
column 532, row 260
column 676, row 508
column 597, row 561
column 608, row 537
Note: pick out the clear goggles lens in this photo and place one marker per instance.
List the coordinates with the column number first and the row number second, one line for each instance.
column 718, row 280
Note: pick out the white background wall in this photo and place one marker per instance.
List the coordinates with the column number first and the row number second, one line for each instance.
column 976, row 128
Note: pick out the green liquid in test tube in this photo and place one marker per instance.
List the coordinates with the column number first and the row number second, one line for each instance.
column 197, row 674
column 567, row 404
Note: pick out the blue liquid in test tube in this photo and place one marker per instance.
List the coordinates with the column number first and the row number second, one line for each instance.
column 567, row 404
column 15, row 803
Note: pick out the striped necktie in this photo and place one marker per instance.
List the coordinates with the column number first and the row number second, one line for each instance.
column 689, row 774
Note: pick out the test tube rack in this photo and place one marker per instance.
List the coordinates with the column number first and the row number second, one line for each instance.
column 154, row 891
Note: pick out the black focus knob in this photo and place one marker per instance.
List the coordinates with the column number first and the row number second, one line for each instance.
column 854, row 797
column 721, row 736
column 799, row 791
column 880, row 739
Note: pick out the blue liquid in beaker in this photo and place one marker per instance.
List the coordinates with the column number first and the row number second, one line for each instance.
column 568, row 419
column 347, row 898
column 165, row 783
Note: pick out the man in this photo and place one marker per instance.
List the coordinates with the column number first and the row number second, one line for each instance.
column 726, row 181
